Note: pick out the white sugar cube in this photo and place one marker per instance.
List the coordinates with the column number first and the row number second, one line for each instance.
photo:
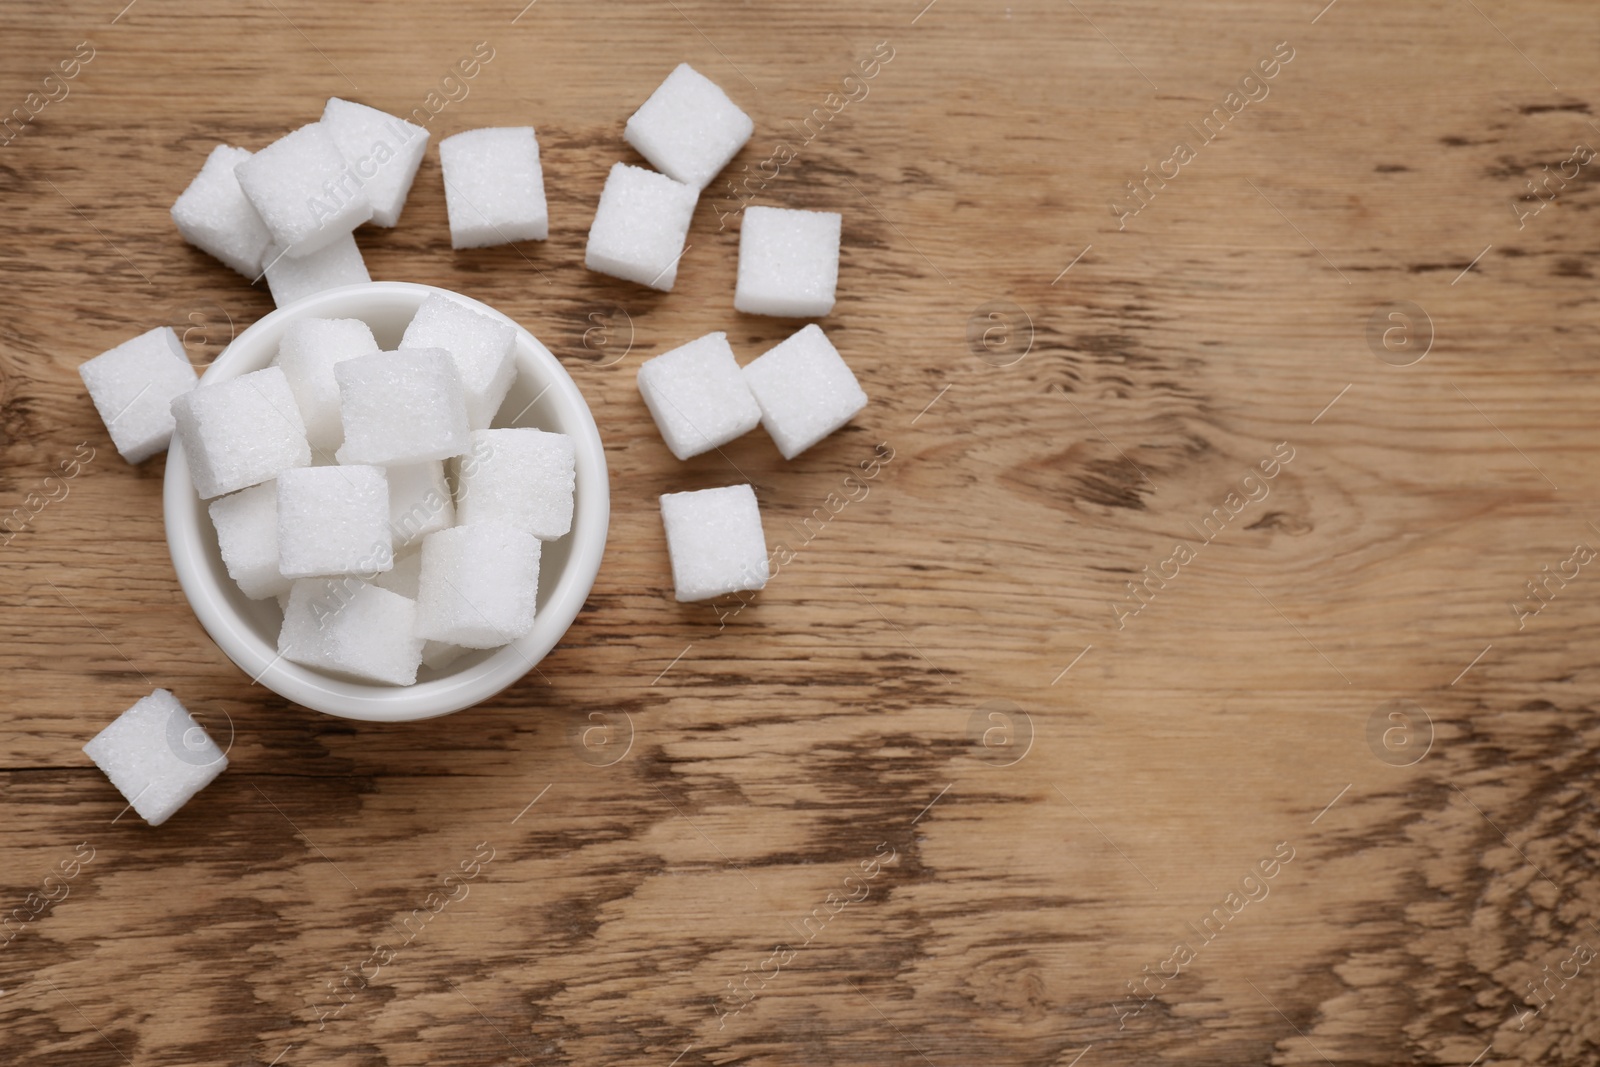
column 402, row 578
column 480, row 346
column 493, row 187
column 133, row 386
column 805, row 389
column 440, row 654
column 788, row 262
column 640, row 226
column 401, row 407
column 697, row 396
column 334, row 520
column 479, row 585
column 689, row 128
column 384, row 152
column 715, row 541
column 240, row 432
column 522, row 477
column 353, row 627
column 304, row 190
column 336, row 263
column 247, row 534
column 306, row 353
column 215, row 216
column 157, row 756
column 419, row 501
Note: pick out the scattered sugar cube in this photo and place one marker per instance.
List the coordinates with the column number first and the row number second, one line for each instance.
column 788, row 262
column 384, row 152
column 215, row 216
column 697, row 396
column 522, row 477
column 333, row 520
column 402, row 578
column 304, row 191
column 640, row 226
column 157, row 756
column 133, row 386
column 805, row 390
column 401, row 407
column 336, row 263
column 479, row 585
column 351, row 626
column 419, row 501
column 493, row 187
column 306, row 353
column 480, row 346
column 689, row 128
column 247, row 534
column 240, row 432
column 440, row 654
column 715, row 541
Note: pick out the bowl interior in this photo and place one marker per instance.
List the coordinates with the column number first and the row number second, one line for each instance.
column 543, row 396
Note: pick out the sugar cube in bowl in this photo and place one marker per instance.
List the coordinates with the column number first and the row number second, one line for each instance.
column 543, row 396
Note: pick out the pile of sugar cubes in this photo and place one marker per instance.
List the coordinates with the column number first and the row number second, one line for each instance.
column 365, row 491
column 289, row 211
column 800, row 391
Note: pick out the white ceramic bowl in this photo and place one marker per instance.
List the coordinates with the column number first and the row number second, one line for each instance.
column 247, row 630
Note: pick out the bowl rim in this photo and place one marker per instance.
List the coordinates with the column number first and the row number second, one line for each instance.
column 183, row 511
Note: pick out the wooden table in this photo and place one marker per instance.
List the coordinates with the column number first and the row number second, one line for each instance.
column 950, row 790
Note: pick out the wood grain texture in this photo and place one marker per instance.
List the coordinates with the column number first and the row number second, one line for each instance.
column 872, row 816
